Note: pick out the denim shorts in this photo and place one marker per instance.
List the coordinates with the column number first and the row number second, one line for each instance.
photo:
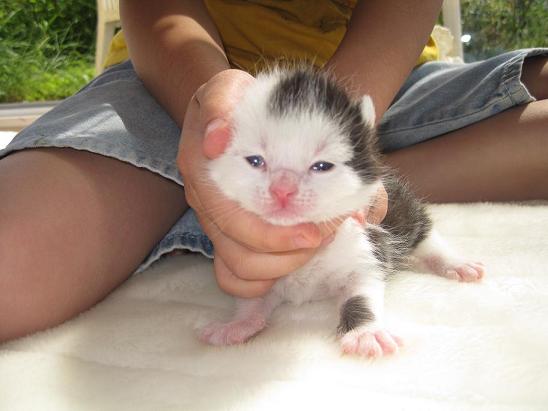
column 115, row 116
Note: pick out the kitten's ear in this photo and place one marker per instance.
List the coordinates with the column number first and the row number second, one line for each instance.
column 368, row 110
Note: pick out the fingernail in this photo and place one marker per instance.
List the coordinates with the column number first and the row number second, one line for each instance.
column 214, row 125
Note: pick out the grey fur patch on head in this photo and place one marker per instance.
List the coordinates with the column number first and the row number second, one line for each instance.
column 309, row 90
column 355, row 312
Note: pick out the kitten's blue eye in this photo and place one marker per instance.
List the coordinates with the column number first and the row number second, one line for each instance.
column 255, row 161
column 321, row 166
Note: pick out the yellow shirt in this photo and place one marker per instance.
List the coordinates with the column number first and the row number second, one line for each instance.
column 256, row 32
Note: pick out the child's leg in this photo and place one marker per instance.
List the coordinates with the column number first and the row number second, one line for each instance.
column 73, row 226
column 501, row 158
column 535, row 76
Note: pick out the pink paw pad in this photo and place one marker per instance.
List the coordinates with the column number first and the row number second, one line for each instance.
column 370, row 343
column 466, row 272
column 233, row 332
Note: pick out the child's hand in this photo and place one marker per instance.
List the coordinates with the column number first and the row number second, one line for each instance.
column 250, row 254
column 377, row 212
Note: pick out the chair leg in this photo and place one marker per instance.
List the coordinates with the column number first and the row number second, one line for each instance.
column 100, row 51
column 105, row 33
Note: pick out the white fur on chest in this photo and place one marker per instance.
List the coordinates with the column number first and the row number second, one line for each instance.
column 333, row 269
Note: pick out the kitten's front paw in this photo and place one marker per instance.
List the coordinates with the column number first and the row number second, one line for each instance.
column 371, row 343
column 233, row 332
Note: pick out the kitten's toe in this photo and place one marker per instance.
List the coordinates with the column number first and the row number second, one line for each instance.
column 231, row 333
column 370, row 343
column 465, row 271
column 389, row 343
column 453, row 268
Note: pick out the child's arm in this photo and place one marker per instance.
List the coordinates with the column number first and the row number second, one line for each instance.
column 175, row 48
column 382, row 45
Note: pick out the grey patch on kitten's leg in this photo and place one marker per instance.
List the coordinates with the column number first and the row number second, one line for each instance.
column 354, row 312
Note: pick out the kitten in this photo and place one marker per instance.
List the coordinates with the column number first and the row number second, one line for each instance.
column 303, row 151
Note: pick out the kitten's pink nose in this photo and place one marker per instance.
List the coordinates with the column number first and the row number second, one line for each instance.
column 284, row 187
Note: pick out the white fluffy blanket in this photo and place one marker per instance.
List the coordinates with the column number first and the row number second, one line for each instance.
column 468, row 346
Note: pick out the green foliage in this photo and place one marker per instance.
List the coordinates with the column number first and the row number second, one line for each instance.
column 66, row 23
column 33, row 77
column 46, row 48
column 500, row 25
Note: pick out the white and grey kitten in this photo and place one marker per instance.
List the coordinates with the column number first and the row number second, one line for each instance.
column 303, row 151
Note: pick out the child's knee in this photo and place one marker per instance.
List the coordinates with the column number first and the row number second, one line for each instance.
column 21, row 304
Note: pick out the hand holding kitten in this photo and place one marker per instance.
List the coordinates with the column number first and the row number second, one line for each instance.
column 303, row 150
column 250, row 254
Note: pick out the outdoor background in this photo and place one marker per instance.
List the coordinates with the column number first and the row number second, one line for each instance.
column 47, row 47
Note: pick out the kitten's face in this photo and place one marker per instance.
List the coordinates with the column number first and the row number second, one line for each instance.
column 289, row 167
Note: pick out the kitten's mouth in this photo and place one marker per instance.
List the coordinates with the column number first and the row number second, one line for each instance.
column 288, row 215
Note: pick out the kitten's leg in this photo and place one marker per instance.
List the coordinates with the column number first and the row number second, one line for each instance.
column 250, row 318
column 361, row 325
column 434, row 255
column 409, row 223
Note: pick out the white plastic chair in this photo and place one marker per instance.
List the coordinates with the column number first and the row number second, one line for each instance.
column 451, row 20
column 108, row 20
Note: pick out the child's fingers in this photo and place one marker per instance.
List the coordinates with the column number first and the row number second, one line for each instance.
column 251, row 265
column 246, row 228
column 216, row 138
column 207, row 200
column 234, row 285
column 377, row 212
column 216, row 98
